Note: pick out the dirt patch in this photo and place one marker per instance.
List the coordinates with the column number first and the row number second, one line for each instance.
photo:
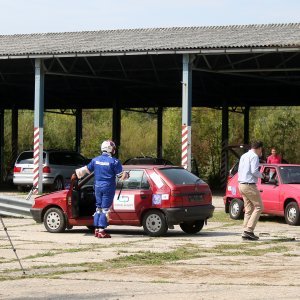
column 216, row 263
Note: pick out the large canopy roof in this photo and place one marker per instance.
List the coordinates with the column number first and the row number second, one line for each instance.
column 239, row 65
column 145, row 40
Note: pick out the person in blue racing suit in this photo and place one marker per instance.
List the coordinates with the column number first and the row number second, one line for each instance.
column 106, row 168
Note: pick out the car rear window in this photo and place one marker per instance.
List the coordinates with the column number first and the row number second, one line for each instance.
column 66, row 159
column 180, row 176
column 27, row 158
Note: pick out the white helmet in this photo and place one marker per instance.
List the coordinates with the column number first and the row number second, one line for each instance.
column 109, row 147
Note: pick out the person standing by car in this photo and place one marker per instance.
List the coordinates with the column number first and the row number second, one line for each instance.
column 248, row 173
column 274, row 158
column 106, row 168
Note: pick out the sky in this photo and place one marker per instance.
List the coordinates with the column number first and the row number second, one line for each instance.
column 37, row 16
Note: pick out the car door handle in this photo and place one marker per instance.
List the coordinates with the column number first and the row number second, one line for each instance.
column 261, row 191
column 143, row 196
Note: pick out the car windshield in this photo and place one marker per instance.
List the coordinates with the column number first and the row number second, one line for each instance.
column 290, row 174
column 27, row 158
column 181, row 176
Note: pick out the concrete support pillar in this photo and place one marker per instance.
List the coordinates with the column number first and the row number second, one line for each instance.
column 159, row 132
column 224, row 154
column 38, row 143
column 78, row 130
column 14, row 134
column 116, row 130
column 186, row 141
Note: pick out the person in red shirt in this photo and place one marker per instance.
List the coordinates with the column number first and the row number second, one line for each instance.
column 274, row 158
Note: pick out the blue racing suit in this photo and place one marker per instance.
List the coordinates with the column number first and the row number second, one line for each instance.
column 105, row 168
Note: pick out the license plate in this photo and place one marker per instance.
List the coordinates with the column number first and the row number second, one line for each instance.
column 195, row 198
column 27, row 170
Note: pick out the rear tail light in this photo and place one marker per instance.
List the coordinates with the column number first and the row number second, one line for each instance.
column 46, row 169
column 17, row 169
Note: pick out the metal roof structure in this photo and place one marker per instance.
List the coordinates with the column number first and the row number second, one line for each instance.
column 151, row 41
column 245, row 65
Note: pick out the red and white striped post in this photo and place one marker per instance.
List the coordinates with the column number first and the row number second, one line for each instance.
column 38, row 128
column 36, row 159
column 186, row 153
column 184, row 146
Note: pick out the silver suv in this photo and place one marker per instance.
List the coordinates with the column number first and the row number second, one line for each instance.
column 58, row 166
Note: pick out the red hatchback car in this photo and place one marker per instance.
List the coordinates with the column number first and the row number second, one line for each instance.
column 280, row 193
column 155, row 197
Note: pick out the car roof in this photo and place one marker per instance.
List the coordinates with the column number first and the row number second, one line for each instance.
column 280, row 165
column 145, row 159
column 149, row 167
column 53, row 150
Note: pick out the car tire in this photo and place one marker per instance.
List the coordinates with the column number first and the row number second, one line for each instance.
column 192, row 228
column 291, row 214
column 236, row 209
column 154, row 223
column 21, row 188
column 58, row 184
column 54, row 220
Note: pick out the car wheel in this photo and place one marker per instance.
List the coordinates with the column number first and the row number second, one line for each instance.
column 154, row 223
column 54, row 220
column 58, row 184
column 236, row 209
column 291, row 214
column 192, row 228
column 21, row 188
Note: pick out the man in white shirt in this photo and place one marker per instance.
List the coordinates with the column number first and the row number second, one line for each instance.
column 248, row 173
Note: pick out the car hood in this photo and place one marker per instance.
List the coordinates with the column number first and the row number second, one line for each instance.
column 53, row 194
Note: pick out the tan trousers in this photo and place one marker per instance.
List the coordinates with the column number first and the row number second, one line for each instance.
column 253, row 205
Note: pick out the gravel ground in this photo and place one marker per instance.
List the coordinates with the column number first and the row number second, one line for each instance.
column 213, row 264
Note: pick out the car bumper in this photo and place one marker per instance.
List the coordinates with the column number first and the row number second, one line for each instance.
column 29, row 181
column 36, row 214
column 179, row 215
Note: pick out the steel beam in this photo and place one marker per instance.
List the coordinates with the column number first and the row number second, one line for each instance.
column 78, row 130
column 116, row 130
column 225, row 137
column 38, row 145
column 186, row 153
column 159, row 132
column 14, row 134
column 90, row 66
column 122, row 67
column 246, row 125
column 154, row 69
column 110, row 78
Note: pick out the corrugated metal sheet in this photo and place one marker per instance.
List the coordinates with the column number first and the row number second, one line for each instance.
column 157, row 39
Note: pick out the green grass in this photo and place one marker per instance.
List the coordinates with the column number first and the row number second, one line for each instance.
column 148, row 258
column 221, row 216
